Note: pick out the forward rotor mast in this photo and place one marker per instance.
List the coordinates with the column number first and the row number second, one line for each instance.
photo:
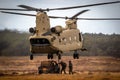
column 42, row 23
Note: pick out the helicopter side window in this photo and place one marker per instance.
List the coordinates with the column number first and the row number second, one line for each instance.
column 65, row 40
column 70, row 38
column 60, row 40
column 75, row 38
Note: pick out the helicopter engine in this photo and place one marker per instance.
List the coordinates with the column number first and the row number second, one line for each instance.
column 57, row 29
column 32, row 30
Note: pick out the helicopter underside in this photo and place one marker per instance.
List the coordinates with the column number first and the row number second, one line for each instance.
column 43, row 49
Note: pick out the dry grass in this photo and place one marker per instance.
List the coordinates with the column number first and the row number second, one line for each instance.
column 85, row 68
column 95, row 76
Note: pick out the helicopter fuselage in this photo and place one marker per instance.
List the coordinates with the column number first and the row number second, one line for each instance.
column 56, row 39
column 68, row 40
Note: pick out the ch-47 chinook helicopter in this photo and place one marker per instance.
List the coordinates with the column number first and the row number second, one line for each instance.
column 56, row 40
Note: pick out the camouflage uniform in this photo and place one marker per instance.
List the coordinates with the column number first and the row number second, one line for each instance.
column 70, row 67
column 56, row 68
column 63, row 64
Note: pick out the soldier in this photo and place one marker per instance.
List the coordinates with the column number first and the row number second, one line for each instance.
column 70, row 67
column 57, row 68
column 63, row 65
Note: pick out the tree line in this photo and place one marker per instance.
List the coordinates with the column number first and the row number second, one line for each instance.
column 15, row 43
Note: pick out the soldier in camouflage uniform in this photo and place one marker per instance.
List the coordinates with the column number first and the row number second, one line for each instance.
column 63, row 65
column 70, row 67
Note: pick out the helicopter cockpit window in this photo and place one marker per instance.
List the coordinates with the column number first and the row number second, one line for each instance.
column 40, row 41
column 69, row 25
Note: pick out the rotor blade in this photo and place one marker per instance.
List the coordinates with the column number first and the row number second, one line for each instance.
column 84, row 18
column 13, row 9
column 98, row 18
column 28, row 7
column 89, row 5
column 17, row 13
column 62, row 17
column 81, row 12
column 58, row 17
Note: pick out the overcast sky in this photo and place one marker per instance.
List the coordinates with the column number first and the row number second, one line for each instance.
column 23, row 23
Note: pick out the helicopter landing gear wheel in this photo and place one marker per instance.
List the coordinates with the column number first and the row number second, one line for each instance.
column 59, row 56
column 31, row 56
column 50, row 56
column 76, row 55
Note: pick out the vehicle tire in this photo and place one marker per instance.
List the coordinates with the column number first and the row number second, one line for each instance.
column 51, row 56
column 40, row 72
column 74, row 56
column 31, row 56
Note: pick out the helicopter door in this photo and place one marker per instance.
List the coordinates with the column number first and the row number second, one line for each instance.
column 80, row 37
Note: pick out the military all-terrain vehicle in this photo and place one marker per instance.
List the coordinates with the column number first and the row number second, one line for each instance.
column 48, row 67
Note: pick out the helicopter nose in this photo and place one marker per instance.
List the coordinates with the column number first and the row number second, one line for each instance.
column 39, row 42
